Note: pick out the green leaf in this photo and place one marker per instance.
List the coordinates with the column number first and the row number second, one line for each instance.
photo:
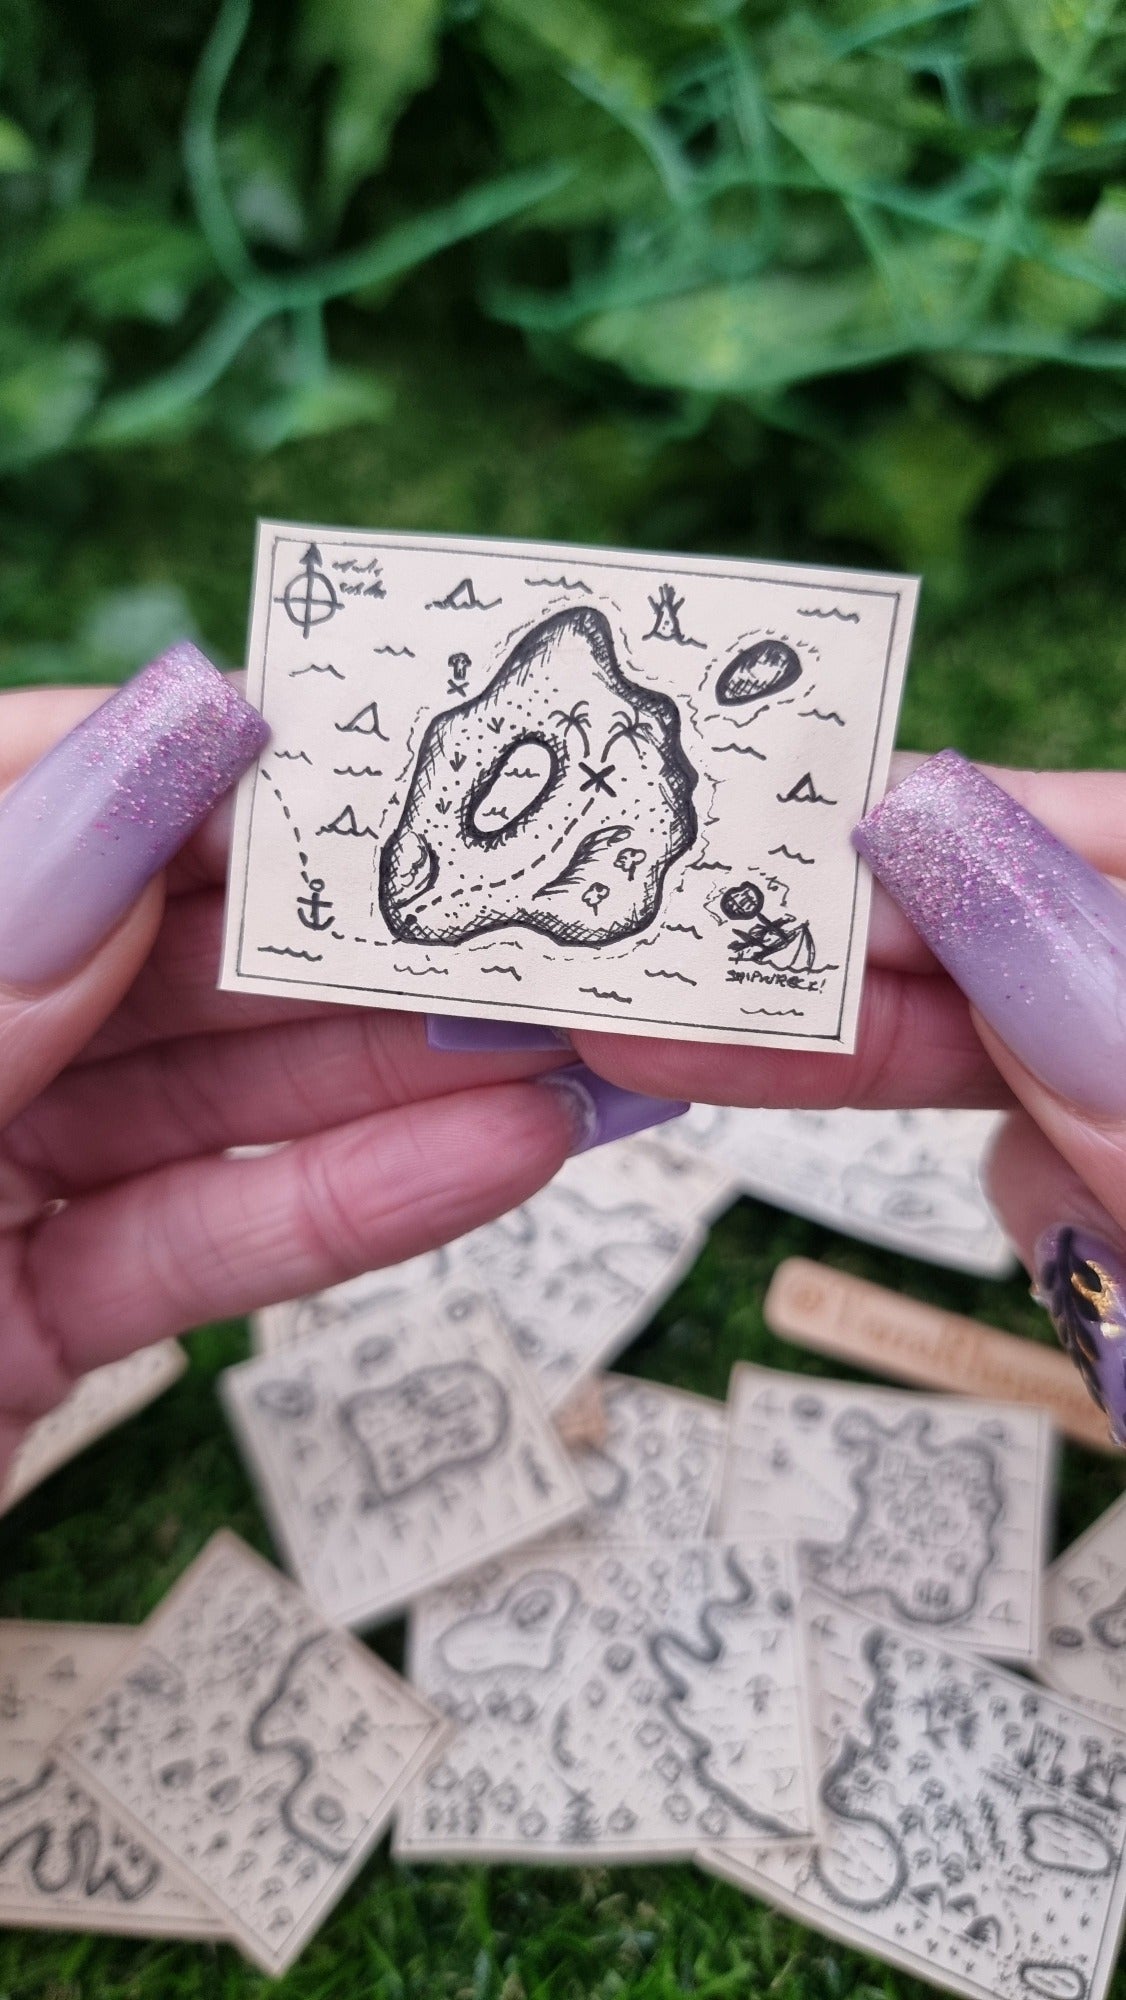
column 1048, row 28
column 17, row 154
column 577, row 38
column 119, row 263
column 747, row 339
column 382, row 51
column 342, row 399
column 910, row 485
column 843, row 148
column 45, row 392
column 259, row 166
column 1104, row 235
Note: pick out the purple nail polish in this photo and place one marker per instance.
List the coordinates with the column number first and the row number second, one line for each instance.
column 85, row 829
column 1034, row 936
column 1082, row 1284
column 455, row 1034
column 601, row 1112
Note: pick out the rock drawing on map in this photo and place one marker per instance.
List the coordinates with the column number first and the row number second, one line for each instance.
column 435, row 1420
column 922, row 1537
column 756, row 673
column 524, row 801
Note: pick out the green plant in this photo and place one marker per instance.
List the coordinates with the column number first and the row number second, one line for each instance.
column 871, row 256
column 895, row 234
column 222, row 238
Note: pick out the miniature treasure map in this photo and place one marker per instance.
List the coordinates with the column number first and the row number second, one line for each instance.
column 972, row 1826
column 930, row 1510
column 910, row 1180
column 1084, row 1649
column 66, row 1861
column 259, row 1750
column 394, row 1453
column 583, row 786
column 612, row 1703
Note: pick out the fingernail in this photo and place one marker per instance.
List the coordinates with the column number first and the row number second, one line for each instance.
column 600, row 1112
column 85, row 829
column 453, row 1034
column 1081, row 1283
column 1034, row 936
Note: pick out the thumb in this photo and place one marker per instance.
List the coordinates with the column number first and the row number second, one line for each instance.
column 1036, row 939
column 84, row 836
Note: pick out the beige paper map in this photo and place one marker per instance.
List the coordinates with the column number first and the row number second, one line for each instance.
column 66, row 1862
column 611, row 1704
column 257, row 1748
column 585, row 786
column 574, row 1273
column 931, row 1511
column 972, row 1824
column 653, row 1476
column 1084, row 1648
column 908, row 1180
column 395, row 1455
column 98, row 1402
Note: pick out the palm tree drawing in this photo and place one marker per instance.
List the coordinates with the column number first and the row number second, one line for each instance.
column 629, row 725
column 576, row 718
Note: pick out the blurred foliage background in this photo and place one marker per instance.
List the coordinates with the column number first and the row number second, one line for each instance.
column 843, row 281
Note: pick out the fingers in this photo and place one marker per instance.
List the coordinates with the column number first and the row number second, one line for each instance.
column 1036, row 938
column 208, row 1092
column 83, row 835
column 41, row 1032
column 1035, row 1191
column 202, row 1241
column 175, row 995
column 916, row 1045
column 1086, row 809
column 1058, row 1184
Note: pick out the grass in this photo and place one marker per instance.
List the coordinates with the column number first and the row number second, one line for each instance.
column 104, row 555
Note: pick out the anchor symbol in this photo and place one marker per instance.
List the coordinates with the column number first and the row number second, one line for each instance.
column 314, row 908
column 310, row 597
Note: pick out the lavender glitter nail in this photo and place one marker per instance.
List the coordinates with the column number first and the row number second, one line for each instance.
column 1082, row 1284
column 1034, row 936
column 98, row 816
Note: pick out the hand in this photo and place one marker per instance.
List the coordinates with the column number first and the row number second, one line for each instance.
column 1035, row 938
column 996, row 977
column 124, row 1074
column 917, row 1043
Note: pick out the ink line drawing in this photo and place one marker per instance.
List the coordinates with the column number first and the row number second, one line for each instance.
column 310, row 598
column 666, row 608
column 444, row 879
column 758, row 672
column 616, row 722
column 463, row 597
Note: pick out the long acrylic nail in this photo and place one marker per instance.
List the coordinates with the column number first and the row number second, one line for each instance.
column 1081, row 1282
column 454, row 1034
column 1034, row 936
column 600, row 1111
column 85, row 829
